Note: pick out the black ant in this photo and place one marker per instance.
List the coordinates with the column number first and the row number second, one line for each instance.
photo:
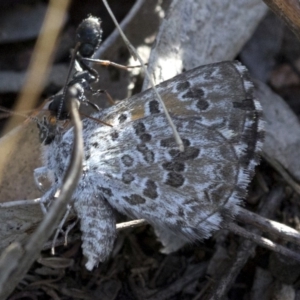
column 87, row 41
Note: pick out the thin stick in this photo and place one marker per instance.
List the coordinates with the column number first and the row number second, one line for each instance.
column 261, row 241
column 39, row 65
column 289, row 11
column 111, row 40
column 56, row 212
column 20, row 203
column 135, row 54
column 69, row 228
column 268, row 226
column 281, row 170
column 131, row 224
column 59, row 229
column 76, row 237
column 246, row 249
column 67, row 80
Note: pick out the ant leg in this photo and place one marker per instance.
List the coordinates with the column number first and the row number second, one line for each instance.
column 95, row 76
column 96, row 120
column 95, row 92
column 93, row 105
column 109, row 97
column 109, row 63
column 82, row 78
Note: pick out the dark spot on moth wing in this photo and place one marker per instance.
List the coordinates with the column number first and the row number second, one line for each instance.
column 147, row 154
column 174, row 166
column 186, row 142
column 114, row 135
column 149, row 157
column 127, row 177
column 194, row 93
column 105, row 191
column 167, row 143
column 189, row 153
column 142, row 148
column 198, row 92
column 139, row 128
column 151, row 190
column 174, row 179
column 170, row 143
column 246, row 104
column 134, row 199
column 202, row 104
column 122, row 118
column 154, row 107
column 127, row 160
column 145, row 137
column 95, row 145
column 182, row 86
column 60, row 170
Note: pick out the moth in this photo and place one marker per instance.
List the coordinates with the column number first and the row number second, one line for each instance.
column 135, row 166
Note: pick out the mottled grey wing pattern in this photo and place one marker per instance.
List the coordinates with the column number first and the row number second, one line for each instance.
column 136, row 166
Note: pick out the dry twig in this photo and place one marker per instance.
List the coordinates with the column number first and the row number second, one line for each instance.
column 289, row 11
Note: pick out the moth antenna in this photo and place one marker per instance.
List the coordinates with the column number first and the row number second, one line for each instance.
column 24, row 115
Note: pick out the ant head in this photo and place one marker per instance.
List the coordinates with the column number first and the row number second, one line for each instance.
column 89, row 34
